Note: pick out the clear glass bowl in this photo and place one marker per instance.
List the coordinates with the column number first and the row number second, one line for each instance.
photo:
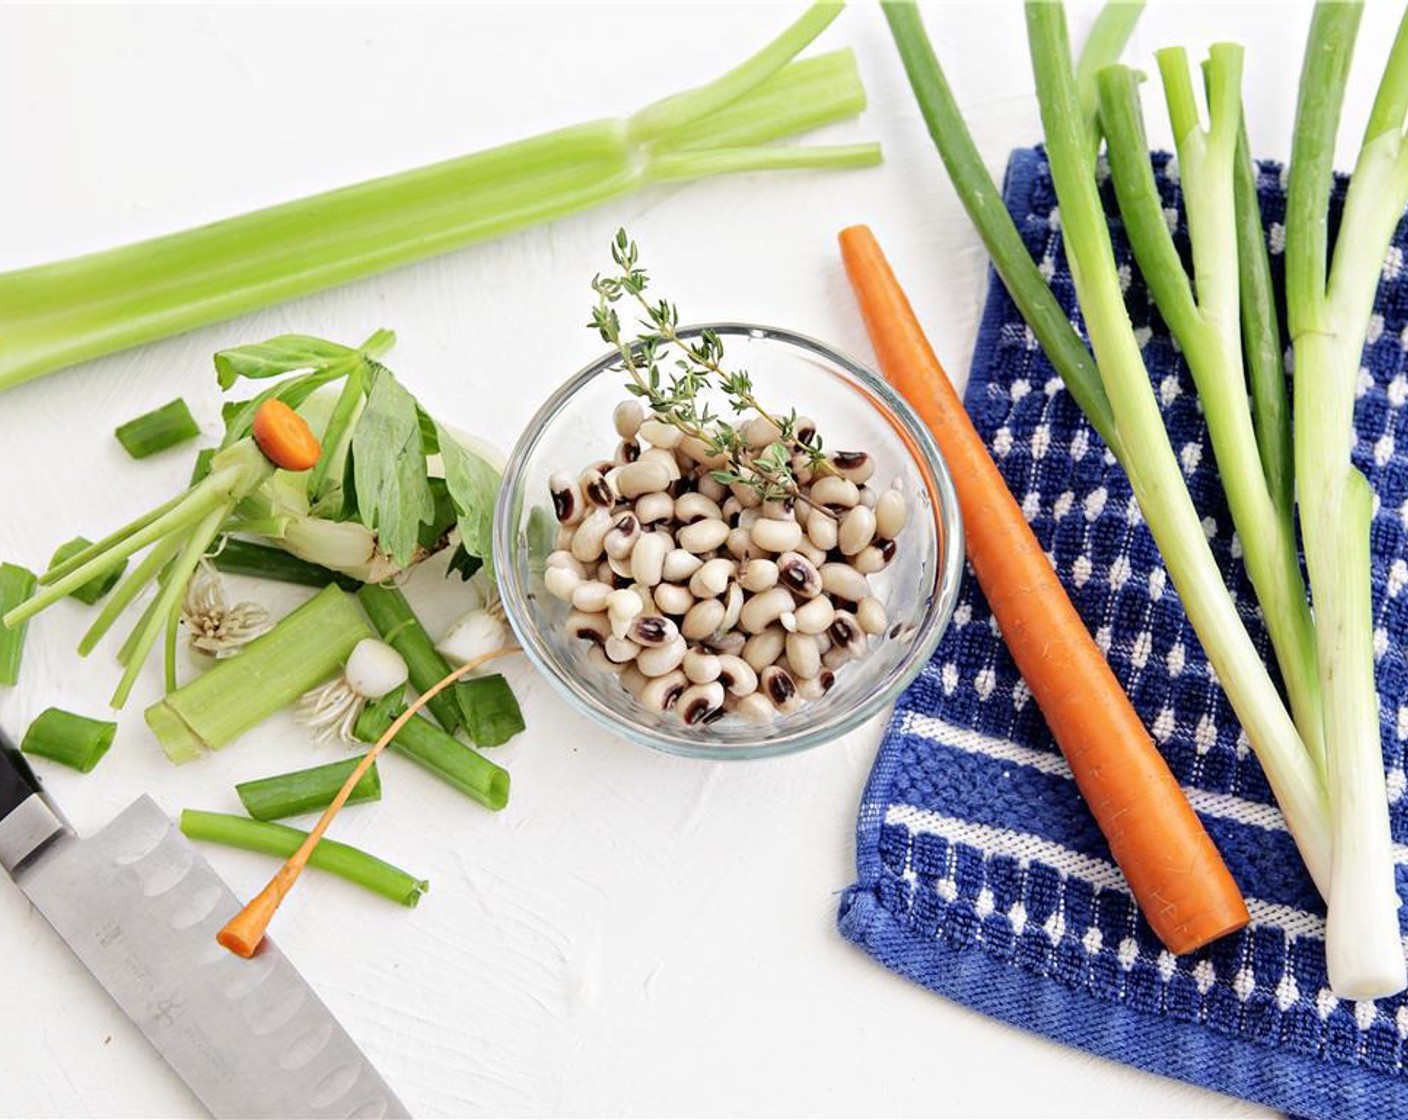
column 854, row 409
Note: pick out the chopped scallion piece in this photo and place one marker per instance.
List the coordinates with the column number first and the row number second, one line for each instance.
column 73, row 741
column 158, row 430
column 201, row 467
column 399, row 628
column 491, row 712
column 343, row 860
column 303, row 791
column 304, row 649
column 246, row 558
column 16, row 585
column 437, row 751
column 97, row 587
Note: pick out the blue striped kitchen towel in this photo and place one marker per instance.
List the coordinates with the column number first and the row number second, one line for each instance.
column 981, row 874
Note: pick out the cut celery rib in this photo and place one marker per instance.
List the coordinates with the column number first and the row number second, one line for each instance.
column 1328, row 322
column 55, row 315
column 1208, row 329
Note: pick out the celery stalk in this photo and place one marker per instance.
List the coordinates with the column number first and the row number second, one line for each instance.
column 1208, row 329
column 303, row 650
column 1328, row 322
column 55, row 315
column 16, row 585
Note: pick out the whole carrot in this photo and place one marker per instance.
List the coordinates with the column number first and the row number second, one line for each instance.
column 1173, row 868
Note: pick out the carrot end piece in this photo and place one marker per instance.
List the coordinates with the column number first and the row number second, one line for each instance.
column 244, row 932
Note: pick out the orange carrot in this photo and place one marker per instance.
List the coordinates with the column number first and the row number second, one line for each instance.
column 243, row 933
column 1173, row 868
column 285, row 437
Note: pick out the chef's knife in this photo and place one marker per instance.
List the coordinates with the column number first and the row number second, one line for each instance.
column 140, row 907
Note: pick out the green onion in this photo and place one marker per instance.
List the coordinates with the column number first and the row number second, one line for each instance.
column 280, row 840
column 491, row 712
column 201, row 467
column 58, row 314
column 73, row 741
column 157, row 430
column 246, row 558
column 16, row 585
column 1329, row 318
column 399, row 628
column 303, row 650
column 437, row 751
column 1208, row 330
column 96, row 588
column 303, row 791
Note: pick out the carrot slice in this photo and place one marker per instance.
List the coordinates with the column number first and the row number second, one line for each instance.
column 285, row 437
column 1174, row 869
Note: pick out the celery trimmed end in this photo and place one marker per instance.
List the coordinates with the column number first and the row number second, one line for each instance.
column 180, row 743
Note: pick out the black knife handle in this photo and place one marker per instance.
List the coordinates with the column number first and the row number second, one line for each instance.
column 27, row 823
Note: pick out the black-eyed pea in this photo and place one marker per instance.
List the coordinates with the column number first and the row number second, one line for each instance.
column 627, row 451
column 890, row 514
column 834, row 492
column 593, row 627
column 874, row 558
column 701, row 703
column 631, row 678
column 817, row 556
column 567, row 500
column 652, row 631
column 856, row 466
column 846, row 634
column 803, row 657
column 737, row 675
column 856, row 532
column 645, row 476
column 870, row 614
column 666, row 459
column 730, row 510
column 778, row 685
column 761, row 431
column 701, row 666
column 595, row 489
column 814, row 688
column 747, row 496
column 672, row 599
column 655, row 509
column 591, row 596
column 702, row 619
column 755, row 708
column 712, row 578
column 562, row 558
column 680, row 565
column 758, row 574
column 773, row 535
column 658, row 433
column 739, row 544
column 696, row 506
column 662, row 692
column 842, row 581
column 622, row 608
column 648, row 559
column 702, row 536
column 561, row 582
column 627, row 417
column 711, row 488
column 822, row 530
column 802, row 470
column 589, row 538
column 764, row 609
column 799, row 575
column 619, row 651
column 563, row 541
column 779, row 509
column 622, row 536
column 867, row 498
column 835, row 657
column 731, row 642
column 733, row 607
column 656, row 661
column 762, row 649
column 815, row 616
column 623, row 575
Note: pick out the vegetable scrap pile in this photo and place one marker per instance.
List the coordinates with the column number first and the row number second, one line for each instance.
column 333, row 477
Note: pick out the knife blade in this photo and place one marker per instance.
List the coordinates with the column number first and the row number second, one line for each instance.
column 140, row 907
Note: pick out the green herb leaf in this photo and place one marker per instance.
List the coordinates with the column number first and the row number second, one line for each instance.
column 474, row 487
column 392, row 490
column 289, row 353
column 463, row 564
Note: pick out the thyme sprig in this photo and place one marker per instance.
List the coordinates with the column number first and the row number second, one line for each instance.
column 675, row 389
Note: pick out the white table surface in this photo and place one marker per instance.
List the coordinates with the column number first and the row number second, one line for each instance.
column 635, row 934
